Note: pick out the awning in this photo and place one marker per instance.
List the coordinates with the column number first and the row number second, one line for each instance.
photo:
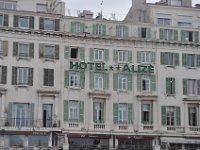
column 93, row 136
column 180, row 140
column 134, row 137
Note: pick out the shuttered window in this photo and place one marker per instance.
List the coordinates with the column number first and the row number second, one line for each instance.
column 3, row 74
column 121, row 31
column 190, row 36
column 23, row 50
column 191, row 60
column 73, row 111
column 147, row 114
column 3, row 48
column 49, row 24
column 77, row 27
column 99, row 81
column 74, row 52
column 48, row 77
column 23, row 21
column 122, row 82
column 146, row 57
column 169, row 59
column 99, row 54
column 4, row 19
column 146, row 83
column 48, row 52
column 168, row 34
column 144, row 32
column 170, row 86
column 99, row 29
column 191, row 87
column 98, row 112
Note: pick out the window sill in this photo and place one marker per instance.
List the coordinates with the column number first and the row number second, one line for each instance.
column 99, row 61
column 75, row 59
column 192, row 95
column 22, row 85
column 23, row 58
column 122, row 91
column 189, row 67
column 173, row 95
column 122, row 62
column 73, row 88
column 48, row 59
column 170, row 66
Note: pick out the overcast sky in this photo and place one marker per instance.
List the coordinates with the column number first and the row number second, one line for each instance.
column 118, row 7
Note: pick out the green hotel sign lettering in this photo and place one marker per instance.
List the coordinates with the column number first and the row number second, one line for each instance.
column 103, row 67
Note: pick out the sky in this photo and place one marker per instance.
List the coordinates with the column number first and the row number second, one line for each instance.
column 118, row 7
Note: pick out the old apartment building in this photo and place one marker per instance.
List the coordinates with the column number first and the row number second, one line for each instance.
column 92, row 83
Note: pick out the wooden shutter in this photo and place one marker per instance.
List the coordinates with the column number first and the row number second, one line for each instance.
column 162, row 58
column 57, row 52
column 138, row 57
column 16, row 21
column 102, row 113
column 66, row 110
column 176, row 59
column 106, row 55
column 115, row 113
column 139, row 82
column 164, row 115
column 81, row 111
column 4, row 75
column 94, row 113
column 30, row 76
column 198, row 87
column 41, row 24
column 184, row 56
column 6, row 20
column 168, row 85
column 73, row 27
column 31, row 114
column 66, row 52
column 82, row 79
column 91, row 80
column 10, row 116
column 196, row 36
column 91, row 54
column 57, row 24
column 198, row 60
column 66, row 78
column 148, row 32
column 130, row 114
column 45, row 77
column 15, row 48
column 161, row 34
column 94, row 28
column 31, row 50
column 82, row 27
column 153, row 83
column 14, row 75
column 117, row 30
column 153, row 57
column 115, row 81
column 130, row 81
column 5, row 48
column 178, row 116
column 82, row 53
column 139, row 32
column 41, row 50
column 130, row 56
column 115, row 55
column 125, row 31
column 106, row 81
column 31, row 22
column 51, row 77
column 104, row 30
column 183, row 36
column 175, row 35
column 185, row 86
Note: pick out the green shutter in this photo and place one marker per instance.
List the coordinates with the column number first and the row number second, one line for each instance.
column 115, row 55
column 82, row 79
column 15, row 48
column 176, row 59
column 198, row 87
column 66, row 110
column 168, row 87
column 130, row 56
column 31, row 114
column 5, row 48
column 106, row 55
column 117, row 30
column 91, row 80
column 125, row 31
column 184, row 56
column 66, row 78
column 198, row 60
column 94, row 28
column 138, row 57
column 82, row 53
column 196, row 36
column 139, row 32
column 102, row 112
column 183, row 36
column 153, row 83
column 185, row 86
column 82, row 27
column 81, row 111
column 178, row 116
column 106, row 81
column 115, row 113
column 173, row 86
column 115, row 81
column 94, row 113
column 72, row 27
column 153, row 57
column 164, row 115
column 130, row 115
column 67, row 52
column 148, row 32
column 175, row 35
column 162, row 58
column 161, row 34
column 139, row 82
column 104, row 30
column 91, row 54
column 130, row 82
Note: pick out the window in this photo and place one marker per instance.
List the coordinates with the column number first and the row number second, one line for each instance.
column 99, row 29
column 4, row 19
column 73, row 111
column 164, row 21
column 171, row 59
column 23, row 50
column 170, row 116
column 122, row 82
column 122, row 31
column 192, row 87
column 74, row 79
column 145, row 57
column 146, row 114
column 98, row 81
column 77, row 27
column 41, row 7
column 74, row 52
column 190, row 60
column 193, row 115
column 187, row 36
column 49, row 24
column 1, row 48
column 3, row 74
column 48, row 77
column 98, row 112
column 170, row 86
column 184, row 24
column 24, row 22
column 22, row 74
column 49, row 51
column 122, row 56
column 168, row 34
column 99, row 55
column 1, row 20
column 123, row 113
column 144, row 32
column 8, row 5
column 146, row 83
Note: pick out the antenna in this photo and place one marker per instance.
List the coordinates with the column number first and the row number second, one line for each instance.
column 101, row 8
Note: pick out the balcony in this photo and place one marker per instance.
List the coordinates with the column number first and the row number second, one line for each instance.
column 148, row 127
column 194, row 129
column 177, row 129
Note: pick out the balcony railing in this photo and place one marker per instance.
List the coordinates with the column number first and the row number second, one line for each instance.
column 194, row 128
column 99, row 126
column 148, row 127
column 176, row 128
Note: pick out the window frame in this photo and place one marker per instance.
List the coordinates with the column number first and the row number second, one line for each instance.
column 20, row 76
column 28, row 50
column 13, row 5
column 168, row 34
column 123, row 81
column 98, row 112
column 74, row 114
column 49, row 56
column 99, row 29
column 123, row 113
column 169, row 59
column 163, row 21
column 76, row 54
column 122, row 56
column 99, row 53
column 194, row 87
column 1, row 48
column 76, row 77
column 2, row 23
column 150, row 115
column 191, row 122
column 20, row 23
column 145, row 55
column 147, row 83
column 170, row 116
column 53, row 25
column 98, row 81
column 191, row 59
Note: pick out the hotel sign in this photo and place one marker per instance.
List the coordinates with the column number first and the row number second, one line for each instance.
column 103, row 67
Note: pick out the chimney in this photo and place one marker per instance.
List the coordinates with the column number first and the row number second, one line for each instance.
column 187, row 3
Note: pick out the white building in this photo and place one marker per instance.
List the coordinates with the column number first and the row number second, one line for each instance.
column 80, row 82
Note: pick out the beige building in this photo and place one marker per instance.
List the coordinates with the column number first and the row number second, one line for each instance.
column 91, row 83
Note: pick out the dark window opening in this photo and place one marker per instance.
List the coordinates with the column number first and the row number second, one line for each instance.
column 190, row 36
column 74, row 52
column 143, row 32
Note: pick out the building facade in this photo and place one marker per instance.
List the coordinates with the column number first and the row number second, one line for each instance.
column 84, row 83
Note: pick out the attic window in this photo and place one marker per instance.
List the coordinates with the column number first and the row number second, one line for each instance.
column 41, row 7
